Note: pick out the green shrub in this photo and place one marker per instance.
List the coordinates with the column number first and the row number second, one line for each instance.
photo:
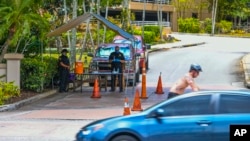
column 109, row 36
column 189, row 25
column 149, row 36
column 153, row 29
column 224, row 26
column 7, row 91
column 37, row 73
column 207, row 25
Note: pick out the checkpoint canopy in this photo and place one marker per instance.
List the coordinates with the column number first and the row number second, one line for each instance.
column 75, row 22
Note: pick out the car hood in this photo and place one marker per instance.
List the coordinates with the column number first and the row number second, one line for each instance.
column 139, row 50
column 112, row 120
column 99, row 121
column 105, row 59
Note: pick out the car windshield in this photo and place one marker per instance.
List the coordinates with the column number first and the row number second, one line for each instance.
column 107, row 50
column 138, row 43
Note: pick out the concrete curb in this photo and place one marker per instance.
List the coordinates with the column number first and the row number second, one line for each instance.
column 180, row 46
column 245, row 63
column 189, row 45
column 26, row 101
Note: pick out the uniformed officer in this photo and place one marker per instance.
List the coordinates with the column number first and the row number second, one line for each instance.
column 64, row 68
column 117, row 59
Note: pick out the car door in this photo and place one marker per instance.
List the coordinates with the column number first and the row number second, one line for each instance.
column 232, row 109
column 188, row 119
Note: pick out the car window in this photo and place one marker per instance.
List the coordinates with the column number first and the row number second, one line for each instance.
column 234, row 104
column 196, row 105
column 106, row 51
column 137, row 44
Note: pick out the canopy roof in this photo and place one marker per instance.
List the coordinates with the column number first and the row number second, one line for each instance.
column 75, row 22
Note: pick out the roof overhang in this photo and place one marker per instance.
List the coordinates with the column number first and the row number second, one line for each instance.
column 75, row 22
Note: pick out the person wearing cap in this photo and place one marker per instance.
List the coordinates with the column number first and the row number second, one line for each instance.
column 187, row 80
column 116, row 59
column 64, row 70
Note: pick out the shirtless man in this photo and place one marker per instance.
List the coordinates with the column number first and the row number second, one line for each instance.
column 188, row 80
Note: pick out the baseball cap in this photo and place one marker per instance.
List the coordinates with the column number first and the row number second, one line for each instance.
column 64, row 50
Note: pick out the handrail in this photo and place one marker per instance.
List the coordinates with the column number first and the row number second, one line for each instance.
column 153, row 1
column 140, row 23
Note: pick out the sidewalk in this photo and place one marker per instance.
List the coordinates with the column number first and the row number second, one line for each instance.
column 114, row 110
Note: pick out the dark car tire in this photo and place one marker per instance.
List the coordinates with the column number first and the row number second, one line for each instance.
column 147, row 67
column 91, row 84
column 137, row 77
column 124, row 138
column 131, row 83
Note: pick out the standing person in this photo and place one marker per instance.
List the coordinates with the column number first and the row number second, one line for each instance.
column 64, row 68
column 187, row 80
column 117, row 59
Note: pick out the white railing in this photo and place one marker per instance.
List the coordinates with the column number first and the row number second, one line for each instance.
column 154, row 1
column 140, row 23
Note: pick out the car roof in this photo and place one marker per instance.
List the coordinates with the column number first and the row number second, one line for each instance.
column 114, row 44
column 221, row 91
column 119, row 37
column 211, row 92
column 228, row 92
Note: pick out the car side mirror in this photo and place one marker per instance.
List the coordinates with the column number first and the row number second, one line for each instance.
column 159, row 112
column 148, row 46
column 137, row 54
column 90, row 54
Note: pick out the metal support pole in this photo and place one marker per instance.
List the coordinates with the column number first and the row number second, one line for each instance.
column 214, row 11
column 143, row 17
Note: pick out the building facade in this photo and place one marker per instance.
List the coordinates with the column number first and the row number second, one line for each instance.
column 162, row 9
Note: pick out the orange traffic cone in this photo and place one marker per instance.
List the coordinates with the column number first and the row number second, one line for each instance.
column 96, row 93
column 126, row 110
column 137, row 102
column 159, row 89
column 143, row 87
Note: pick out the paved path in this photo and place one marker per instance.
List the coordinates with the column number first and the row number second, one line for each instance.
column 83, row 100
column 60, row 120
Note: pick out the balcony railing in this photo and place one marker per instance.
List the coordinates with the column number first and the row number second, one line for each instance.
column 154, row 1
column 140, row 23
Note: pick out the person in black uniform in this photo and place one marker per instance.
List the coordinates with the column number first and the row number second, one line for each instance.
column 117, row 59
column 64, row 68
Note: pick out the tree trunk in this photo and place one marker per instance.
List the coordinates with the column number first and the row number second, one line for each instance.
column 106, row 17
column 73, row 39
column 5, row 48
column 98, row 22
column 143, row 17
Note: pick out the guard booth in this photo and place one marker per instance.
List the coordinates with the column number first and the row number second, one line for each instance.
column 83, row 18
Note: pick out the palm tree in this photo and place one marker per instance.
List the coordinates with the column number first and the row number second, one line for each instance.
column 18, row 18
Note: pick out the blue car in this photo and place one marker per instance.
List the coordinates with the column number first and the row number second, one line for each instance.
column 196, row 116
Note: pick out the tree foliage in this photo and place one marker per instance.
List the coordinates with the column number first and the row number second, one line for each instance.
column 231, row 9
column 20, row 20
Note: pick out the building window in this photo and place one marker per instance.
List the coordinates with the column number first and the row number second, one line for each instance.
column 195, row 15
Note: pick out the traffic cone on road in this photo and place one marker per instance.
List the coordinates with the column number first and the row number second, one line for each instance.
column 159, row 89
column 96, row 92
column 126, row 110
column 143, row 83
column 137, row 102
